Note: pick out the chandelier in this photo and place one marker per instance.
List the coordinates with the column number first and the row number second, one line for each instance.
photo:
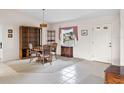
column 43, row 25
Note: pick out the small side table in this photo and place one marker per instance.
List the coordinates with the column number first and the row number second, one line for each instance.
column 114, row 75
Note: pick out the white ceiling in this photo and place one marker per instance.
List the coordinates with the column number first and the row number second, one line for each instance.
column 59, row 15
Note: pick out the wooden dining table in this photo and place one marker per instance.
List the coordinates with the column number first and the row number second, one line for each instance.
column 38, row 49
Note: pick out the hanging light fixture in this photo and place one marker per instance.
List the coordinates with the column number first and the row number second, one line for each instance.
column 43, row 25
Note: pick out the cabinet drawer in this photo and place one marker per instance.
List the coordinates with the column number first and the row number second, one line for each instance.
column 66, row 51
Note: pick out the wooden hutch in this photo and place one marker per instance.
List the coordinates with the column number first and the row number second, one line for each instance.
column 28, row 34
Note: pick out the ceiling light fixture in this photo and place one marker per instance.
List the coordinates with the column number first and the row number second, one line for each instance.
column 43, row 25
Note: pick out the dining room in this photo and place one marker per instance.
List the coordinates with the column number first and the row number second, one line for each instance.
column 53, row 51
column 61, row 46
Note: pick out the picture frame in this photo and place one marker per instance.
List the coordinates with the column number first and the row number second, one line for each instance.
column 10, row 35
column 10, row 31
column 84, row 32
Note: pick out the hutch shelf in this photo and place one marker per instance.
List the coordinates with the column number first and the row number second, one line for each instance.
column 28, row 34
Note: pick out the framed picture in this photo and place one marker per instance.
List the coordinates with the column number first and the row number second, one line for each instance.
column 10, row 31
column 84, row 32
column 10, row 35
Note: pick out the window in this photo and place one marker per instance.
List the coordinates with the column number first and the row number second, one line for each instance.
column 68, row 36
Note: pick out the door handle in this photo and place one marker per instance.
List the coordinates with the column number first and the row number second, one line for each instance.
column 110, row 44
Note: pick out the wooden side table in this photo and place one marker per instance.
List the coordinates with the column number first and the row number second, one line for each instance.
column 114, row 75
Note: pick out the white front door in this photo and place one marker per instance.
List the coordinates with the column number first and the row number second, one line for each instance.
column 102, row 43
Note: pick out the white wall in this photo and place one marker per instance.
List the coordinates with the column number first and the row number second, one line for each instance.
column 10, row 45
column 83, row 49
column 122, row 37
column 1, row 41
column 44, row 35
column 0, row 34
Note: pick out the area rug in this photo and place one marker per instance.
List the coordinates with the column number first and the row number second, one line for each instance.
column 34, row 67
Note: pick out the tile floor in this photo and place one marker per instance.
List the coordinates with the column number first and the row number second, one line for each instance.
column 83, row 72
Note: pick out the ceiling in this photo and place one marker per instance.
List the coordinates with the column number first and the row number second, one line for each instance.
column 60, row 15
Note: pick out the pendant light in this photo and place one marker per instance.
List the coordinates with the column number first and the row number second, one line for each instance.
column 43, row 25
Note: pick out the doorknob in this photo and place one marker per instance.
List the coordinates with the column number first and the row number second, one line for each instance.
column 110, row 44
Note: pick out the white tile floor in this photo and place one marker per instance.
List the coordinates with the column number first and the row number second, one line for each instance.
column 83, row 72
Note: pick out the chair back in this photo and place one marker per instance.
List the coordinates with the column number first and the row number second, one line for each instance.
column 30, row 46
column 53, row 47
column 47, row 50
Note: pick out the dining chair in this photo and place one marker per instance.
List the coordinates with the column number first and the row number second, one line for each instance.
column 32, row 53
column 47, row 53
column 53, row 49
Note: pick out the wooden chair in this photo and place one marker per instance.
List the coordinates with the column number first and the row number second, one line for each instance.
column 46, row 55
column 53, row 49
column 32, row 53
